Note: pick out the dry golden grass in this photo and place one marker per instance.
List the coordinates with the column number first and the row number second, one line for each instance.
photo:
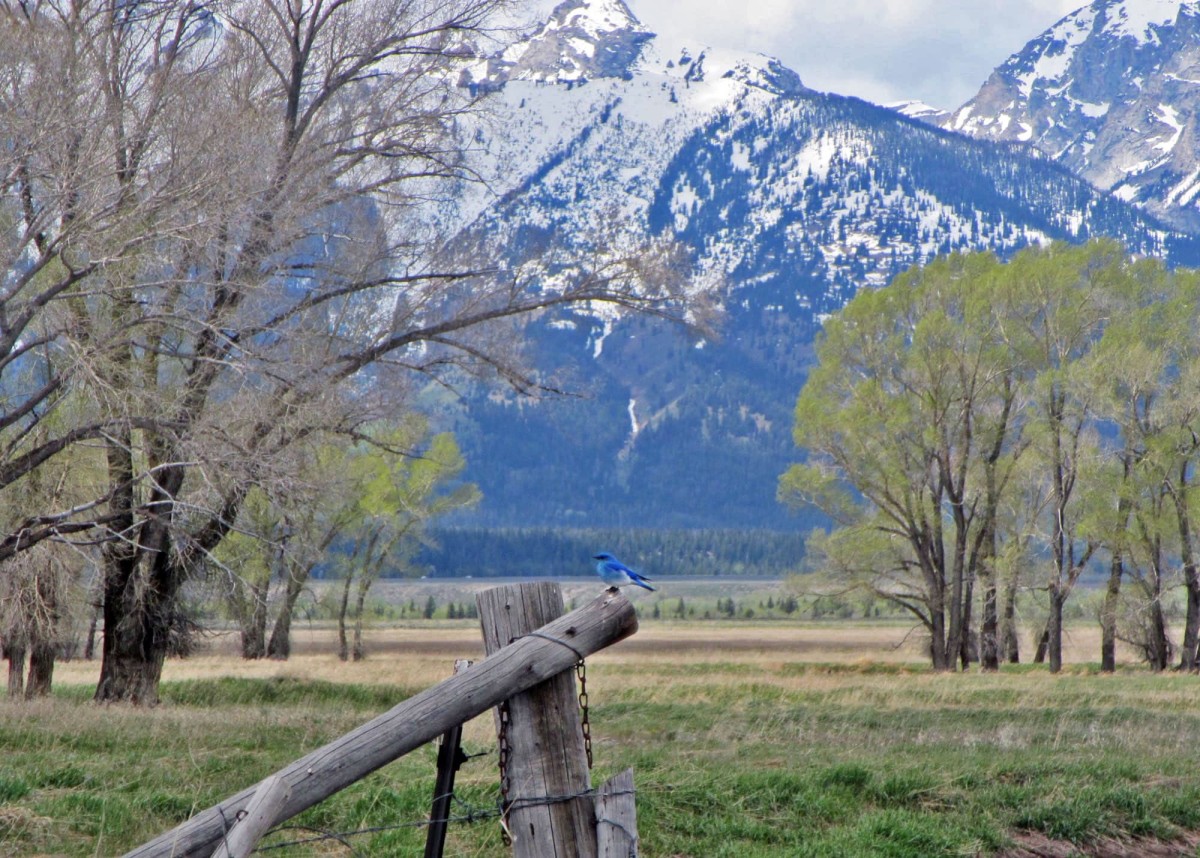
column 422, row 653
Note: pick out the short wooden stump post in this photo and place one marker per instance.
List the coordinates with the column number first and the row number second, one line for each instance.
column 616, row 818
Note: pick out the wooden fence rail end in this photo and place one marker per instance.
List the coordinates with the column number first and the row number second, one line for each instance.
column 258, row 818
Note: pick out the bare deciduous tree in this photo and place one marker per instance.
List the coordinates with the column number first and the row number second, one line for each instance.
column 215, row 246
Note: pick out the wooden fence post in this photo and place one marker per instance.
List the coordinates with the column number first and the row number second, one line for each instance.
column 616, row 818
column 546, row 777
column 419, row 719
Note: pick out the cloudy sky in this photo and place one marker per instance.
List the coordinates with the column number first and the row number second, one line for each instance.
column 936, row 51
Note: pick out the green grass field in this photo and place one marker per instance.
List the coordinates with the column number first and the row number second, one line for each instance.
column 747, row 739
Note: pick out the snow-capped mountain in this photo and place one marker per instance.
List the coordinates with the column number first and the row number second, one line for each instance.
column 582, row 39
column 795, row 198
column 1112, row 92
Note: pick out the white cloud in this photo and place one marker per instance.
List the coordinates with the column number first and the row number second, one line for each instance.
column 939, row 51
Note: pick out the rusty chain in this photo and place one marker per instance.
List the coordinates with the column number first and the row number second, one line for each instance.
column 502, row 741
column 581, row 672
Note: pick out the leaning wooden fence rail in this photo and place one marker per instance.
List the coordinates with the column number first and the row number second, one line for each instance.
column 515, row 668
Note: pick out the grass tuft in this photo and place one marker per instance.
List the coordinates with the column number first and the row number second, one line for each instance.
column 13, row 789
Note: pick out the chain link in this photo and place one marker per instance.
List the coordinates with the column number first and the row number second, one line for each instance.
column 581, row 672
column 502, row 741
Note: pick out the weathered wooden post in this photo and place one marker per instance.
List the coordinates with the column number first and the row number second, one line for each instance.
column 545, row 781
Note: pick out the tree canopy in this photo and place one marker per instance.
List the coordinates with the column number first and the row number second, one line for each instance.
column 1004, row 425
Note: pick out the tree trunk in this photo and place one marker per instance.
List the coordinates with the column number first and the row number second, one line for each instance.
column 1160, row 646
column 139, row 616
column 1054, row 629
column 132, row 656
column 989, row 641
column 343, row 644
column 364, row 584
column 136, row 614
column 1043, row 647
column 89, row 648
column 280, row 645
column 1191, row 577
column 43, row 635
column 41, row 669
column 1108, row 615
column 941, row 657
column 1191, row 629
column 1011, row 641
column 15, row 655
column 254, row 626
column 969, row 644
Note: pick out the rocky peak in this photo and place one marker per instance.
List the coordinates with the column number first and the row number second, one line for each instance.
column 1112, row 92
column 581, row 40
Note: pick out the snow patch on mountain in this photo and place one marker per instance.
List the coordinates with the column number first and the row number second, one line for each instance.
column 918, row 110
column 1140, row 20
column 730, row 153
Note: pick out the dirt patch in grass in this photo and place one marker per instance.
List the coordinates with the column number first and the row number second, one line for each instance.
column 1034, row 845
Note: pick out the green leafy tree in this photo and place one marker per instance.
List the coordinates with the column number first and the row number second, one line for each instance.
column 402, row 480
column 1056, row 305
column 909, row 407
column 1145, row 372
column 974, row 419
column 283, row 533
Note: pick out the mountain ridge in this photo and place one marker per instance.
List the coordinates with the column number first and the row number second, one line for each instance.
column 794, row 198
column 1112, row 91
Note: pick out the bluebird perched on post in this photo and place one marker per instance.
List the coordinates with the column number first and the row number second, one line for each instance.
column 616, row 574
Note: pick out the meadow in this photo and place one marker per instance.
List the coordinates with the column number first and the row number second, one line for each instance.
column 748, row 738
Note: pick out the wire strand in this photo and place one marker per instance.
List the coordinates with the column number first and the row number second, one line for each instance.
column 473, row 815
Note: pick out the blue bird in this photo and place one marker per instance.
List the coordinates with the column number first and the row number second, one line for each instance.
column 616, row 574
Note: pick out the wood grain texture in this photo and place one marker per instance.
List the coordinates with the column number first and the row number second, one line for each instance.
column 546, row 759
column 259, row 816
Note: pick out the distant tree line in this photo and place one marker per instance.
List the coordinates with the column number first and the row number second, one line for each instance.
column 551, row 552
column 979, row 429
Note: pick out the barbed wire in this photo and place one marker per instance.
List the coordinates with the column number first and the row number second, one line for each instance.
column 472, row 815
